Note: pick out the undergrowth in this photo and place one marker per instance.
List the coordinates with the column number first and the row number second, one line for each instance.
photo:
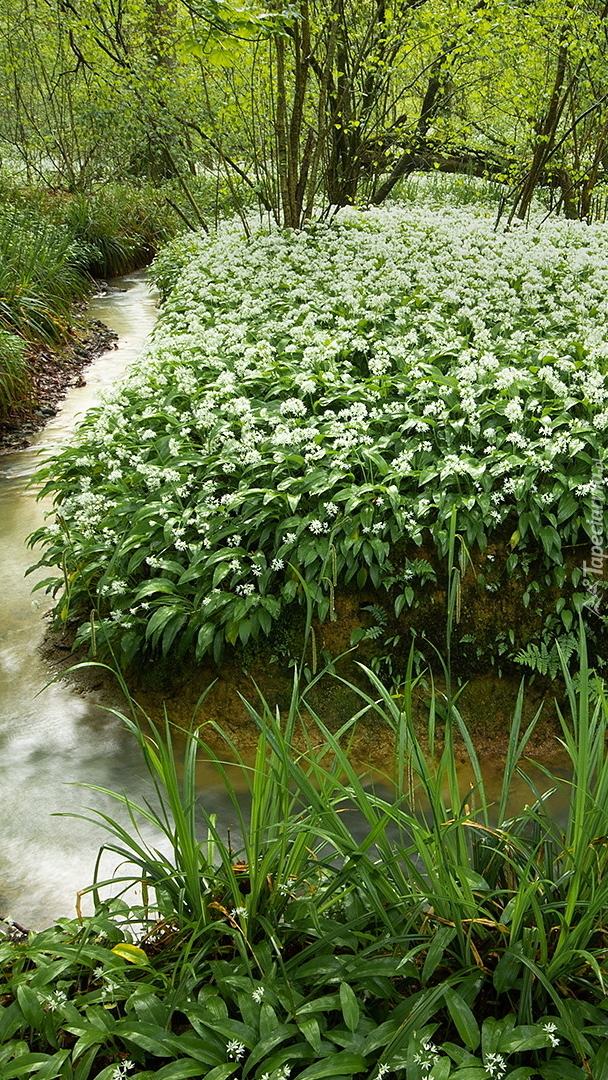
column 342, row 931
column 311, row 410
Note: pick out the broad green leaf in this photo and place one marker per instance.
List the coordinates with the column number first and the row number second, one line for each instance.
column 311, row 1031
column 132, row 953
column 463, row 1018
column 31, row 1007
column 151, row 1038
column 222, row 1072
column 560, row 1068
column 350, row 1006
column 180, row 1070
column 343, row 1064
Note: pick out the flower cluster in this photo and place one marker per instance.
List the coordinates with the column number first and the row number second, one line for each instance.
column 312, row 402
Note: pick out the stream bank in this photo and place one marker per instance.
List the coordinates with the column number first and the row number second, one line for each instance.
column 52, row 373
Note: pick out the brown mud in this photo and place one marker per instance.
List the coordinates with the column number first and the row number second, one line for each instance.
column 217, row 698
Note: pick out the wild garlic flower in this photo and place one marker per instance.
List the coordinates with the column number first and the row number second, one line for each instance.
column 416, row 294
column 549, row 1029
column 122, row 1069
column 428, row 1056
column 495, row 1066
column 57, row 999
column 235, row 1050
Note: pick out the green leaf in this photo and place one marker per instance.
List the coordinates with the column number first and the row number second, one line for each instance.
column 29, row 1063
column 150, row 1037
column 562, row 1069
column 11, row 1019
column 179, row 1070
column 30, row 1007
column 462, row 1017
column 470, row 1073
column 599, row 1063
column 440, row 942
column 260, row 1050
column 311, row 1031
column 349, row 1006
column 342, row 1064
column 222, row 1072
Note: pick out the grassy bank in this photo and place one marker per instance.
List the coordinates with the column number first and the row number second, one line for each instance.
column 345, row 928
column 313, row 410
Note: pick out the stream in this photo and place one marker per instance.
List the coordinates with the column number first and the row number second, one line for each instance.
column 52, row 739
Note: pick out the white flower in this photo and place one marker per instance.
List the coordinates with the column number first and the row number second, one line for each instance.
column 549, row 1029
column 122, row 1069
column 109, row 990
column 235, row 1050
column 316, row 527
column 495, row 1066
column 293, row 407
column 258, row 994
column 277, row 564
column 57, row 1000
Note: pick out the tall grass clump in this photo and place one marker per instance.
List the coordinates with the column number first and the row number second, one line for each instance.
column 120, row 227
column 42, row 273
column 51, row 246
column 14, row 380
column 342, row 928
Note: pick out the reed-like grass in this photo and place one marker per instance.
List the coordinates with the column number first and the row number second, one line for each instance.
column 14, row 381
column 343, row 929
column 120, row 227
column 41, row 275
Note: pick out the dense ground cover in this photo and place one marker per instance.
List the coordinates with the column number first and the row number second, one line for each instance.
column 313, row 409
column 345, row 929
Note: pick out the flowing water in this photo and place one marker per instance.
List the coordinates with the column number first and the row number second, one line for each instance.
column 53, row 739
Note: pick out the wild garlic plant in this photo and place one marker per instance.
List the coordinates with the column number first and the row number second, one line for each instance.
column 315, row 405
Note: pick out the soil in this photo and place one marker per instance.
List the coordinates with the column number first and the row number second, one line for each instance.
column 214, row 699
column 52, row 373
